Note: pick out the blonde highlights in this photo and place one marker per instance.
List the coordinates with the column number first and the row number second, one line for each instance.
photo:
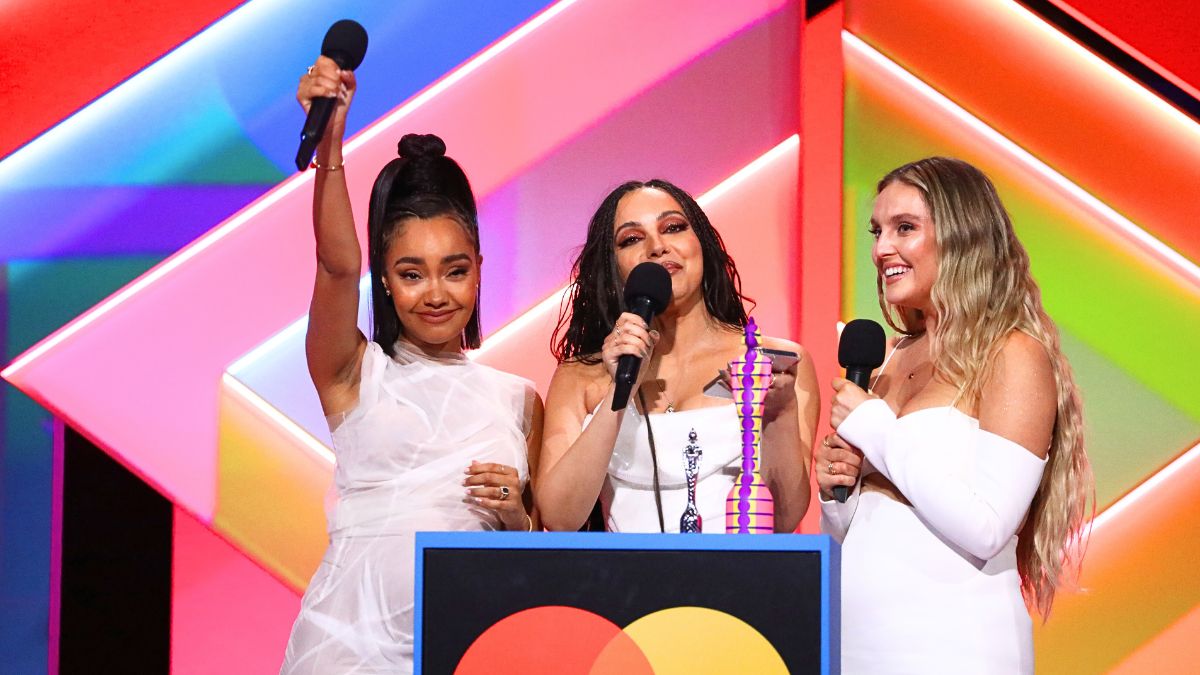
column 984, row 291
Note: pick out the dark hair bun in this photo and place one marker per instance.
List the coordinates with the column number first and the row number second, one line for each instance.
column 421, row 145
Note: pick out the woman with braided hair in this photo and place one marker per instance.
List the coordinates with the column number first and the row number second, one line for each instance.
column 634, row 461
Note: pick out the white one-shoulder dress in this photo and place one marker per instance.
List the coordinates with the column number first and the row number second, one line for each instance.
column 401, row 455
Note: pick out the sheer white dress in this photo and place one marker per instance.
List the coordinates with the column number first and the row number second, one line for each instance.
column 401, row 455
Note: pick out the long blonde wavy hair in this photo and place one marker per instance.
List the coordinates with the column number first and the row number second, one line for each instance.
column 984, row 291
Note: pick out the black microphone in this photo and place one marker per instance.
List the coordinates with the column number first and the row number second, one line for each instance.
column 860, row 351
column 647, row 292
column 346, row 43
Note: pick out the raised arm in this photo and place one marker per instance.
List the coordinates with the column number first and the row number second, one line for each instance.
column 333, row 345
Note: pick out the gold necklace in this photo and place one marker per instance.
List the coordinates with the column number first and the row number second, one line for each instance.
column 663, row 392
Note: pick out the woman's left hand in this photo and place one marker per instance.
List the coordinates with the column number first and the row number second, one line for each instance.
column 781, row 397
column 846, row 397
column 498, row 487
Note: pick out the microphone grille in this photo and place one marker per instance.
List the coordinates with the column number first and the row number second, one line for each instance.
column 863, row 344
column 346, row 43
column 652, row 281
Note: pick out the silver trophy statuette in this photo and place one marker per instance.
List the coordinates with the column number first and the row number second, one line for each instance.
column 690, row 521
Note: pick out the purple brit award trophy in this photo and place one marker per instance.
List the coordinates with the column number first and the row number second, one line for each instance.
column 750, row 509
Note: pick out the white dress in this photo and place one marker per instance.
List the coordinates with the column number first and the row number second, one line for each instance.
column 628, row 494
column 933, row 587
column 401, row 455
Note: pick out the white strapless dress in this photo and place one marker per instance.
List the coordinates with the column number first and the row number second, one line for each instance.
column 628, row 493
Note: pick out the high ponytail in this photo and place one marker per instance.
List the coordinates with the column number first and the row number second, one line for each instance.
column 422, row 182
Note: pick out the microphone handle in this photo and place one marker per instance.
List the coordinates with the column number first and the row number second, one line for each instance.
column 861, row 376
column 627, row 371
column 314, row 127
column 629, row 365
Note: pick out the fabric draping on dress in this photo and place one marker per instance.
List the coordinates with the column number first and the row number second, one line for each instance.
column 401, row 455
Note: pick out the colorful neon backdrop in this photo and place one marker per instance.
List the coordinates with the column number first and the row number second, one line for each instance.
column 194, row 147
column 1088, row 163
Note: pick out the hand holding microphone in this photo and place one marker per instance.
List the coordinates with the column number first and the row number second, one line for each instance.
column 838, row 466
column 647, row 294
column 860, row 351
column 329, row 81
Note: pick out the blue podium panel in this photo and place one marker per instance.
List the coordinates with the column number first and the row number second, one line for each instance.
column 549, row 602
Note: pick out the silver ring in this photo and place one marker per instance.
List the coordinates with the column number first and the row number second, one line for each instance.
column 310, row 69
column 504, row 491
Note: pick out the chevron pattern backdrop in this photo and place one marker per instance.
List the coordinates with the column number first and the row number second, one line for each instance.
column 158, row 253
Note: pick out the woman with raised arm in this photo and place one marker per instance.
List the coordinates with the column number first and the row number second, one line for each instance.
column 425, row 439
column 968, row 454
column 635, row 459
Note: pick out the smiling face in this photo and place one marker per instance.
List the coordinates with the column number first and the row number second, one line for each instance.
column 651, row 226
column 905, row 251
column 433, row 275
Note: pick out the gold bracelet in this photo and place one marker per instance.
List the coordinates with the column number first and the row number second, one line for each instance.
column 331, row 167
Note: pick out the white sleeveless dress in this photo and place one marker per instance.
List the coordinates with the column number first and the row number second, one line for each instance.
column 628, row 493
column 401, row 455
column 933, row 587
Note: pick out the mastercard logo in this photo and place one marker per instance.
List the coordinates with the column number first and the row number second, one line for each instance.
column 572, row 641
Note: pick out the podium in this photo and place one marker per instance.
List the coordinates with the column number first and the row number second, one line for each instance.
column 627, row 604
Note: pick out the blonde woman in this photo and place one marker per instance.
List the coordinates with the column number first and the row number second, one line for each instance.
column 968, row 454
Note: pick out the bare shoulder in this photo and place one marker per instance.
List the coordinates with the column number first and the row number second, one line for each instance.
column 577, row 372
column 573, row 383
column 1021, row 363
column 1020, row 398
